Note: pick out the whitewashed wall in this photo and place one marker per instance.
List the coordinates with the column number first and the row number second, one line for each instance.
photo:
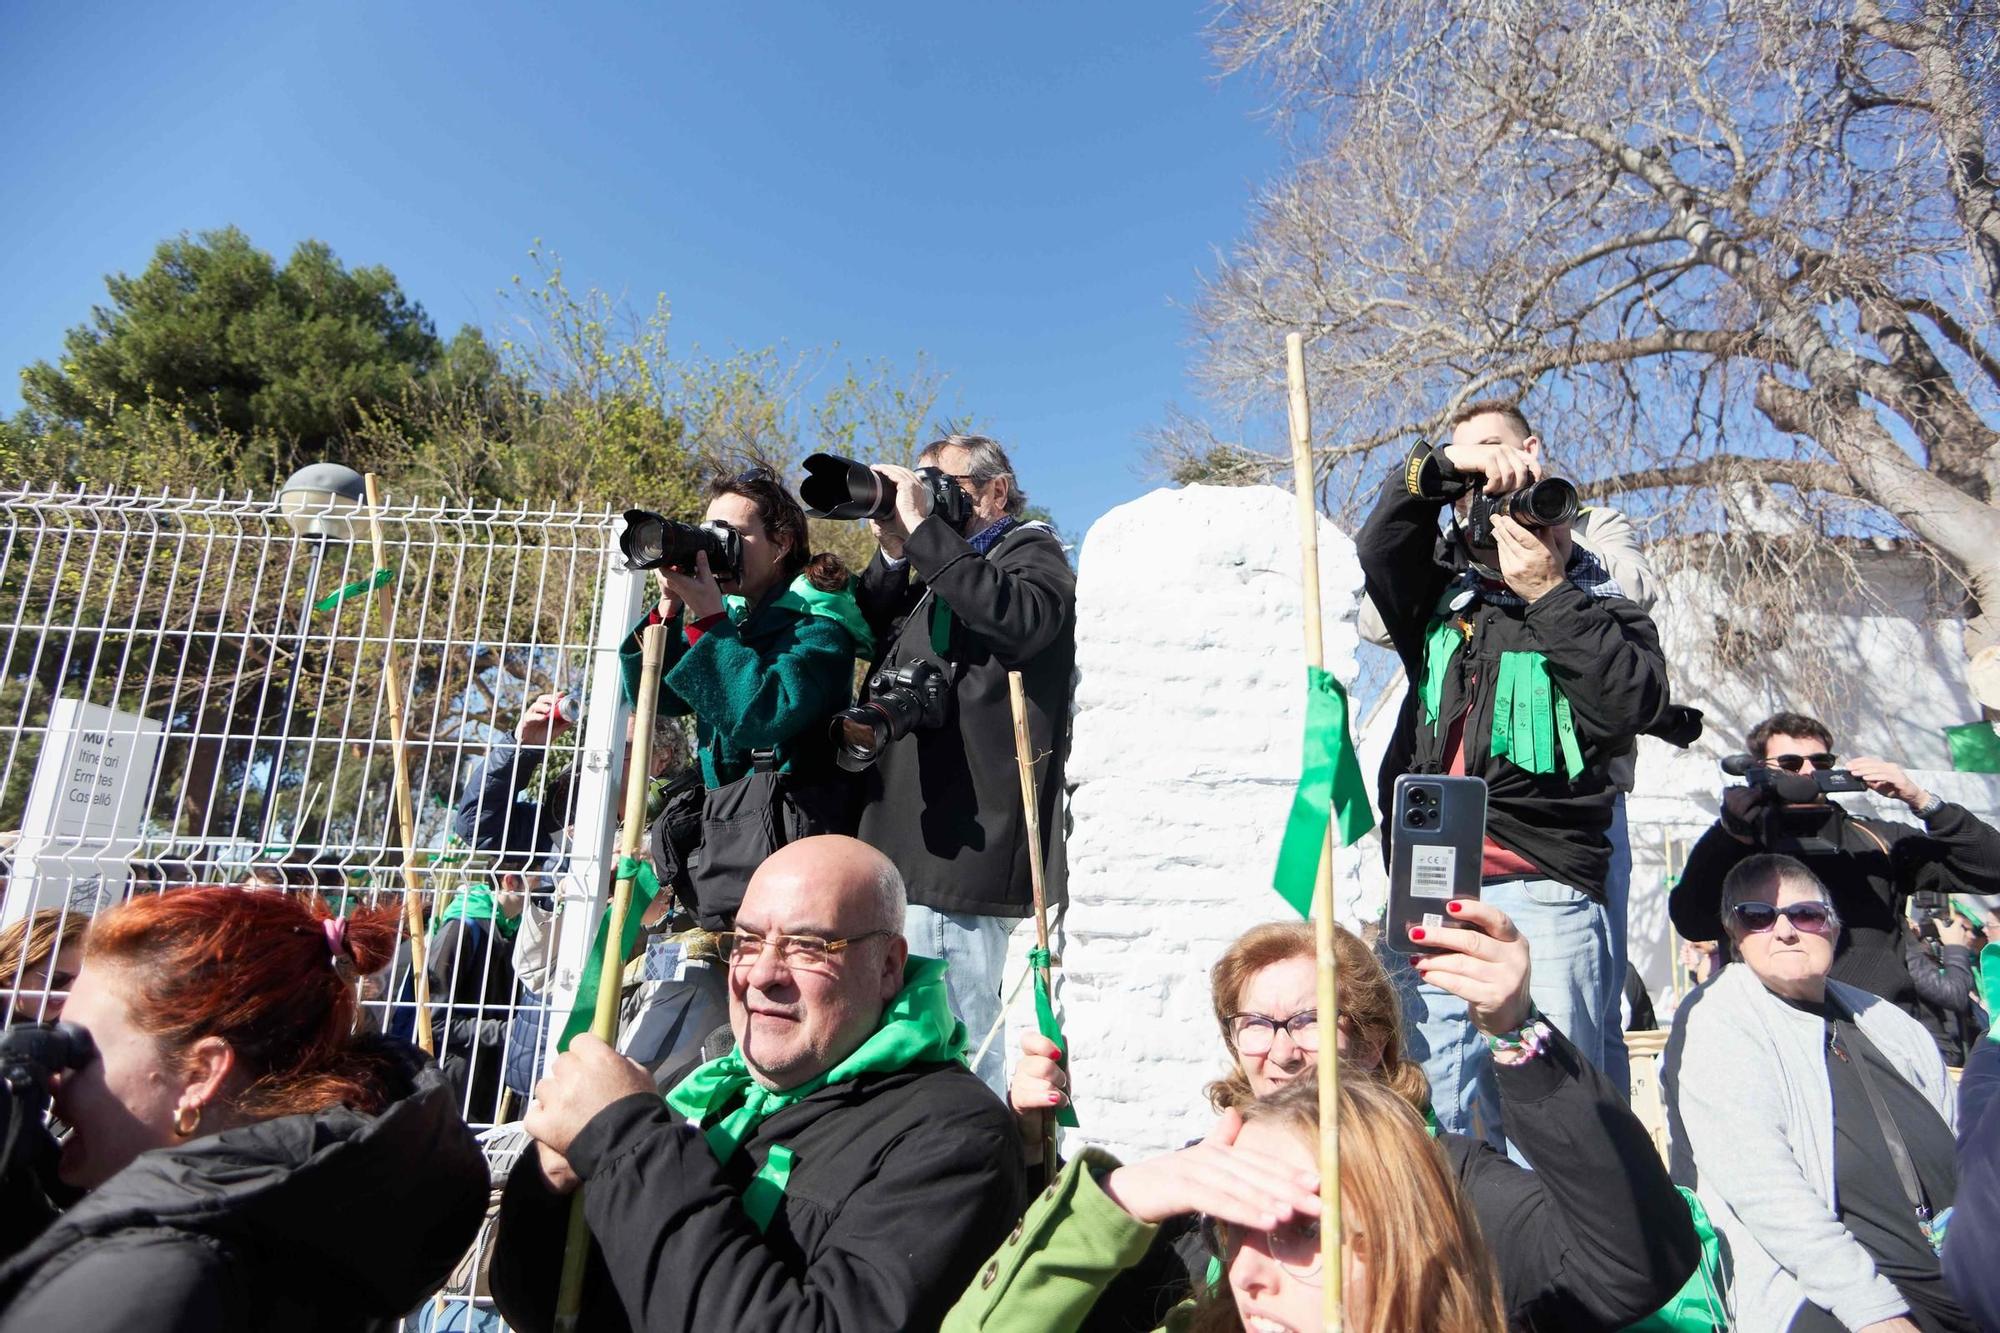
column 1189, row 712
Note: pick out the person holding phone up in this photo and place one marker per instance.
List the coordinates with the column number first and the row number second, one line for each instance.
column 1528, row 668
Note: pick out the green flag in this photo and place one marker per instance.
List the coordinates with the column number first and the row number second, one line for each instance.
column 1974, row 747
column 645, row 888
column 1331, row 788
column 1049, row 1026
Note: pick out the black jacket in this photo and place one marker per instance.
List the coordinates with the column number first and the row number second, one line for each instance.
column 1972, row 1243
column 945, row 804
column 303, row 1224
column 901, row 1185
column 1869, row 882
column 1598, row 1237
column 491, row 817
column 472, row 995
column 1603, row 655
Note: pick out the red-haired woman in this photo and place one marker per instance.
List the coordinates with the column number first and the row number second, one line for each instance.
column 252, row 1163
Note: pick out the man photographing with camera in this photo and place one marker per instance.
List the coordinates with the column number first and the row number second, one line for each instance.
column 961, row 592
column 1870, row 866
column 1529, row 668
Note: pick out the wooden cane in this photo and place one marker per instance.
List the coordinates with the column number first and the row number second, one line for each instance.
column 406, row 815
column 1329, row 985
column 604, row 1021
column 1024, row 760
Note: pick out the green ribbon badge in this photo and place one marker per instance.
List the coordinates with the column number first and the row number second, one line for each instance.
column 645, row 888
column 1330, row 788
column 1046, row 1024
column 358, row 588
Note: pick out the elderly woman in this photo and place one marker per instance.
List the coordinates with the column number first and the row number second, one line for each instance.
column 1815, row 1121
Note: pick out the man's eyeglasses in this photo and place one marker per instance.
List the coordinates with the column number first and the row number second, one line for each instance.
column 1792, row 763
column 1294, row 1245
column 1815, row 918
column 1253, row 1034
column 801, row 951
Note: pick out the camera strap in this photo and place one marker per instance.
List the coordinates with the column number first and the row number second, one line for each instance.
column 1899, row 1150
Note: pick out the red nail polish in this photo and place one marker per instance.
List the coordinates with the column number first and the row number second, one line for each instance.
column 1416, row 932
column 1454, row 906
column 1055, row 1099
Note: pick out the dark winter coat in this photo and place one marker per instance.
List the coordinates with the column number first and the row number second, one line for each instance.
column 945, row 804
column 1603, row 655
column 1869, row 882
column 901, row 1185
column 302, row 1224
column 1972, row 1244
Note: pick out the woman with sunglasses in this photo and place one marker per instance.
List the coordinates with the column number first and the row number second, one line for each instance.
column 1815, row 1121
column 1594, row 1238
column 763, row 659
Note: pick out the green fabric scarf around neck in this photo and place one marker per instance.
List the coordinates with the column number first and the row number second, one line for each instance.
column 727, row 1104
column 806, row 598
column 476, row 904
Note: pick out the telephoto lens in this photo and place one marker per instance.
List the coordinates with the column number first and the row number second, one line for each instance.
column 654, row 541
column 899, row 702
column 1548, row 503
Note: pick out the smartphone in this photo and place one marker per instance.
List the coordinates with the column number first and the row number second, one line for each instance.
column 1437, row 838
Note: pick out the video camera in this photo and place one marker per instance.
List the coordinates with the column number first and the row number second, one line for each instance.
column 837, row 487
column 1789, row 786
column 1796, row 819
column 911, row 698
column 653, row 541
column 1548, row 503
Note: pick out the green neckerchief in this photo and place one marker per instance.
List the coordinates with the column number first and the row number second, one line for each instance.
column 806, row 598
column 475, row 903
column 727, row 1104
column 1532, row 721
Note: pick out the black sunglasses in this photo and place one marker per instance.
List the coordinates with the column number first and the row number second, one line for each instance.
column 1817, row 918
column 1792, row 763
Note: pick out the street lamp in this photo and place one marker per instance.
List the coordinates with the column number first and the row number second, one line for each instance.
column 321, row 503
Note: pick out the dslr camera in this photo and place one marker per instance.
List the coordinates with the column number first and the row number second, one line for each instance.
column 1548, row 503
column 896, row 702
column 30, row 1055
column 837, row 487
column 654, row 541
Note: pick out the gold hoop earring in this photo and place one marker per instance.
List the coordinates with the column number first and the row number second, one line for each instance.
column 180, row 1114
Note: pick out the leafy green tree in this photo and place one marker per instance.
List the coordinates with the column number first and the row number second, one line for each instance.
column 279, row 364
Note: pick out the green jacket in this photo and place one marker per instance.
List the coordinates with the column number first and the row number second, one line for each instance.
column 763, row 679
column 1073, row 1241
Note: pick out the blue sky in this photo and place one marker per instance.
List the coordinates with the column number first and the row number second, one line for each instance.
column 1025, row 192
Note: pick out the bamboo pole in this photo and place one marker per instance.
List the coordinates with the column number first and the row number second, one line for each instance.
column 1024, row 760
column 1329, row 985
column 406, row 815
column 604, row 1021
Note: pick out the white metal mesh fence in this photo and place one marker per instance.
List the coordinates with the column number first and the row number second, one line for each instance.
column 193, row 693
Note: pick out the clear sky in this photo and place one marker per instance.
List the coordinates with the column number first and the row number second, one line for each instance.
column 1027, row 192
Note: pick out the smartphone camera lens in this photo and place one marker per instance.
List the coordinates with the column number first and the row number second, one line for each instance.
column 1416, row 818
column 1420, row 796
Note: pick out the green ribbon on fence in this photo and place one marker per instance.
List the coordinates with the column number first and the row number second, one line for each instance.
column 378, row 579
column 1046, row 1024
column 1330, row 788
column 645, row 888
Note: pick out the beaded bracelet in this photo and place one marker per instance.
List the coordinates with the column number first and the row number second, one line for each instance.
column 1524, row 1042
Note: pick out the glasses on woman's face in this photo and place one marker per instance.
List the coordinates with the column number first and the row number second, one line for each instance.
column 1254, row 1034
column 1293, row 1245
column 1792, row 763
column 1814, row 918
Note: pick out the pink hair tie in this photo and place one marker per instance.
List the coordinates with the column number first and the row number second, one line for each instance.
column 336, row 937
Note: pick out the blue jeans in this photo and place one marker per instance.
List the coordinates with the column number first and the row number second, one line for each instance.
column 1617, row 1064
column 974, row 949
column 458, row 1315
column 1570, row 979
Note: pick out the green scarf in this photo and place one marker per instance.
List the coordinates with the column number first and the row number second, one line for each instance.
column 1532, row 721
column 806, row 598
column 728, row 1104
column 475, row 903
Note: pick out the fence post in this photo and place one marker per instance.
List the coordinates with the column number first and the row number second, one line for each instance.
column 581, row 892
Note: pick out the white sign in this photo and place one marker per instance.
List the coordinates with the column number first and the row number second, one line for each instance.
column 85, row 810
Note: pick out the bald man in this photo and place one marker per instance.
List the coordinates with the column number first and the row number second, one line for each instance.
column 841, row 1169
